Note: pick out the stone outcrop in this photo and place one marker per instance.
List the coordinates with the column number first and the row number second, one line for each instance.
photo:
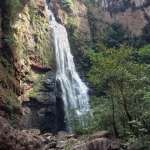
column 40, row 111
column 98, row 135
column 97, row 144
column 80, row 16
column 68, row 141
column 12, row 139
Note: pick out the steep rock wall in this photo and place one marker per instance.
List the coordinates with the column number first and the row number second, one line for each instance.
column 135, row 21
column 36, row 53
column 9, row 72
column 78, row 13
column 131, row 13
column 26, row 55
column 35, row 48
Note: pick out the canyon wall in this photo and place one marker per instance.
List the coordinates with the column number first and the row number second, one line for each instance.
column 27, row 58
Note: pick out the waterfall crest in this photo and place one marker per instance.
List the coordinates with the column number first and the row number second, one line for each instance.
column 74, row 92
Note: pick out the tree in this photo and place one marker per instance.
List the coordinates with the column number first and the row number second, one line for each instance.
column 125, row 85
column 116, row 35
column 144, row 53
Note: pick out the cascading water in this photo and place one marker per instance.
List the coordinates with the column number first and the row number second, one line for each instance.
column 73, row 90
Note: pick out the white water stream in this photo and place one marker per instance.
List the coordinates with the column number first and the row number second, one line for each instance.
column 74, row 91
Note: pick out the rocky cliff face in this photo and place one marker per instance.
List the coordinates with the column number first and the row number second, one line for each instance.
column 78, row 13
column 35, row 48
column 26, row 55
column 37, row 67
column 131, row 13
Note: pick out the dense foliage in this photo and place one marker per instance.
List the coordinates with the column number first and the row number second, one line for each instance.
column 121, row 79
column 65, row 4
column 116, row 35
column 121, row 104
column 125, row 86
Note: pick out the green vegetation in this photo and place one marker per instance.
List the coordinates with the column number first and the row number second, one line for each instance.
column 69, row 145
column 9, row 104
column 40, row 47
column 72, row 25
column 76, row 122
column 144, row 53
column 9, row 40
column 122, row 89
column 79, row 45
column 37, row 83
column 93, row 19
column 66, row 5
column 12, row 108
column 121, row 102
column 116, row 36
column 33, row 94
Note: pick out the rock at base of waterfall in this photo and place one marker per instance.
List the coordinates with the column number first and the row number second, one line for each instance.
column 100, row 134
column 13, row 139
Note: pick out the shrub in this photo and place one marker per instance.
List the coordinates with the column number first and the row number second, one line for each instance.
column 65, row 4
column 144, row 52
column 72, row 25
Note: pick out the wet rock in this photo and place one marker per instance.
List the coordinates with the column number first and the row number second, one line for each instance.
column 46, row 98
column 49, row 83
column 52, row 144
column 39, row 112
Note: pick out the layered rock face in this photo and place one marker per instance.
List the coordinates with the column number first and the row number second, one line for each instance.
column 35, row 48
column 131, row 13
column 36, row 53
column 26, row 55
column 78, row 14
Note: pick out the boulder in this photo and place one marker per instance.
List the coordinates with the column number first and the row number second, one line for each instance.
column 100, row 134
column 96, row 144
column 12, row 139
column 62, row 135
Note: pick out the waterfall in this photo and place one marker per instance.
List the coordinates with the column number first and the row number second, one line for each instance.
column 74, row 92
